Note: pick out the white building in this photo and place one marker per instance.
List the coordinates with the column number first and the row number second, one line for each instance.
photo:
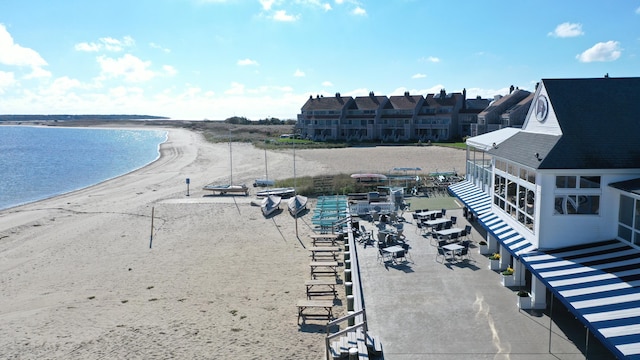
column 560, row 199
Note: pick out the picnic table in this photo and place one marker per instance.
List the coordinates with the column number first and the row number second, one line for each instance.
column 323, row 268
column 318, row 239
column 319, row 252
column 327, row 287
column 304, row 305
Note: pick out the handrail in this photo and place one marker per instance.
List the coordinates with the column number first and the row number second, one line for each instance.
column 359, row 310
column 346, row 317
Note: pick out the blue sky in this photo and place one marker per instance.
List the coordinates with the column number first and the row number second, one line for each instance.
column 212, row 59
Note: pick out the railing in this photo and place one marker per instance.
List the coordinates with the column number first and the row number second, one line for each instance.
column 358, row 315
column 346, row 330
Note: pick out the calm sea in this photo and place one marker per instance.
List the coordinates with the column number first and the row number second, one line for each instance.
column 40, row 162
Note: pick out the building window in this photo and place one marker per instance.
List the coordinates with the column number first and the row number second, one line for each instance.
column 577, row 195
column 629, row 219
column 514, row 195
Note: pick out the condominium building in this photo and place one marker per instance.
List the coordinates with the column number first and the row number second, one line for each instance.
column 405, row 118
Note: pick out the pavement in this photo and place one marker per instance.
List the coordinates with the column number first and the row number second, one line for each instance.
column 423, row 309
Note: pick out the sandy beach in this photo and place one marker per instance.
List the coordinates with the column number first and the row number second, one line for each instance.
column 78, row 279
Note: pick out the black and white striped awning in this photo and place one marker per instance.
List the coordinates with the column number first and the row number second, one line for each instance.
column 473, row 198
column 515, row 243
column 479, row 203
column 600, row 284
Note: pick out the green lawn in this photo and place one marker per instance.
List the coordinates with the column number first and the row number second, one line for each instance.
column 433, row 203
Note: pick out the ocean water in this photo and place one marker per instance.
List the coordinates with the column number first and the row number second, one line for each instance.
column 40, row 162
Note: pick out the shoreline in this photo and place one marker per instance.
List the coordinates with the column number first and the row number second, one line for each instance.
column 159, row 149
column 78, row 278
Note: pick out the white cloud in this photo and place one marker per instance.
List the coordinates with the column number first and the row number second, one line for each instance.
column 236, row 89
column 169, row 70
column 266, row 4
column 359, row 11
column 638, row 10
column 7, row 79
column 299, row 73
column 431, row 59
column 327, row 83
column 13, row 54
column 566, row 29
column 281, row 15
column 247, row 62
column 318, row 3
column 107, row 44
column 156, row 46
column 129, row 67
column 602, row 51
column 419, row 76
column 339, row 2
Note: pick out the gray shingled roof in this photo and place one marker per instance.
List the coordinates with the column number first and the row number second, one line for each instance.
column 523, row 147
column 326, row 103
column 369, row 102
column 631, row 186
column 405, row 102
column 599, row 122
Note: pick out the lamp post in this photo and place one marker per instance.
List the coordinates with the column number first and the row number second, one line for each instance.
column 295, row 191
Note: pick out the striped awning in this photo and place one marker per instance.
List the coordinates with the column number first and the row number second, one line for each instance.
column 600, row 284
column 473, row 198
column 479, row 203
column 515, row 243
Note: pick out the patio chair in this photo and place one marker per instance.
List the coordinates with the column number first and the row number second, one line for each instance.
column 467, row 230
column 406, row 252
column 441, row 252
column 444, row 212
column 439, row 215
column 454, row 219
column 448, row 225
column 463, row 253
column 435, row 239
column 366, row 237
column 384, row 256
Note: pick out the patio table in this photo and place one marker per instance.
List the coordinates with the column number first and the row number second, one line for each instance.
column 446, row 233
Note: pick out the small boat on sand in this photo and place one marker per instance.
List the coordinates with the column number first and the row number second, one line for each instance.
column 297, row 204
column 226, row 188
column 281, row 192
column 270, row 204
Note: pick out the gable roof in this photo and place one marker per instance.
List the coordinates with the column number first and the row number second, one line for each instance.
column 405, row 101
column 326, row 103
column 523, row 147
column 599, row 122
column 370, row 102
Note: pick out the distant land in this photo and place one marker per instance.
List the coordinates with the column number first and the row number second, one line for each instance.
column 114, row 117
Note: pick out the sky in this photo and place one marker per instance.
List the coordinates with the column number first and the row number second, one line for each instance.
column 214, row 59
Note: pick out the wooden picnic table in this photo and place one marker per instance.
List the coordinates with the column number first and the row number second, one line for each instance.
column 323, row 268
column 328, row 287
column 304, row 305
column 317, row 239
column 329, row 251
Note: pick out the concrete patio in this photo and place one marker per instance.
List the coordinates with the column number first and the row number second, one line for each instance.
column 423, row 309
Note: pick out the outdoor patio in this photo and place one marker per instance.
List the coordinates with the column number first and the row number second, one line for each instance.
column 423, row 309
